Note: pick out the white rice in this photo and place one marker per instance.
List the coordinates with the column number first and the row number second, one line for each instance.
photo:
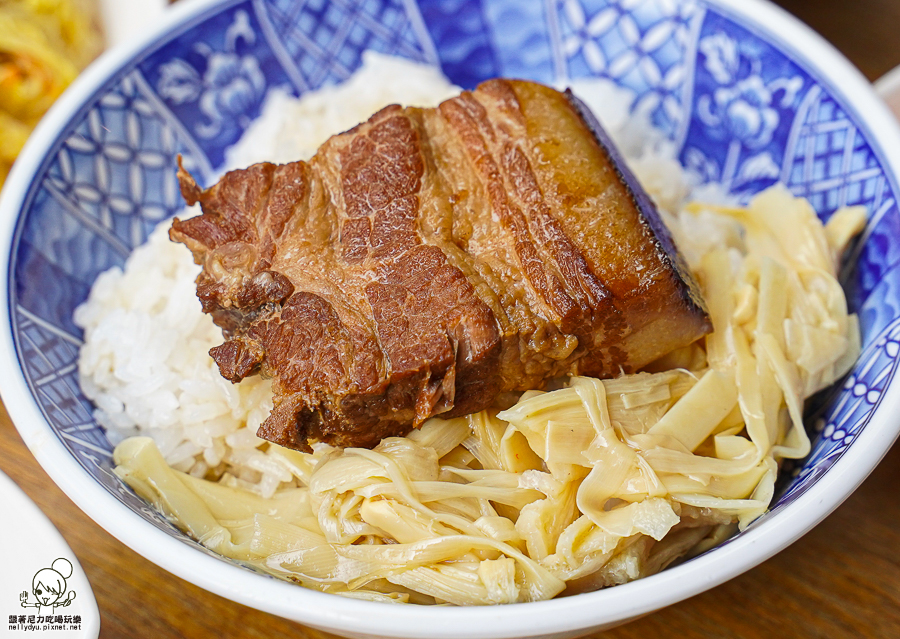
column 145, row 361
column 291, row 129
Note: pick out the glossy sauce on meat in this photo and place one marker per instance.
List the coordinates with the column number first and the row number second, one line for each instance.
column 430, row 259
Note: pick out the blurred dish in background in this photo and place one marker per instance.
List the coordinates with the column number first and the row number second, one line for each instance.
column 43, row 46
column 888, row 87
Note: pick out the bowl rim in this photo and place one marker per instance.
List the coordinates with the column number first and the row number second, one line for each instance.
column 564, row 615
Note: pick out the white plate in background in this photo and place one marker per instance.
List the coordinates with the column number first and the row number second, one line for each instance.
column 888, row 87
column 125, row 19
column 36, row 556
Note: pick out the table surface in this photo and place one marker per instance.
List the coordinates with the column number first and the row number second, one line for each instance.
column 840, row 580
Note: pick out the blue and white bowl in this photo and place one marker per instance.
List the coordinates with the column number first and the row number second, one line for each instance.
column 747, row 95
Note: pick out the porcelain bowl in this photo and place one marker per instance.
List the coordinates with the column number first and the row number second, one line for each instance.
column 747, row 95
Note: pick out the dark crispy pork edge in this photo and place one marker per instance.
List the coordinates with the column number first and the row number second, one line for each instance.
column 649, row 214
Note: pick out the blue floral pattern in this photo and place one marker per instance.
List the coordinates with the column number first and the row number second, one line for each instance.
column 228, row 88
column 744, row 108
column 647, row 48
column 738, row 110
column 321, row 41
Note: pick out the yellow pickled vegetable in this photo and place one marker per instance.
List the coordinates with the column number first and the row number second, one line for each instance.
column 43, row 46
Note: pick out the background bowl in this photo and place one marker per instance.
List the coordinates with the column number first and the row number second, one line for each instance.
column 746, row 94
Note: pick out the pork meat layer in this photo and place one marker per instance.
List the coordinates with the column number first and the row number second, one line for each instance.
column 429, row 260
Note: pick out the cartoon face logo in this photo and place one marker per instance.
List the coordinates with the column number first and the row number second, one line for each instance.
column 49, row 587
